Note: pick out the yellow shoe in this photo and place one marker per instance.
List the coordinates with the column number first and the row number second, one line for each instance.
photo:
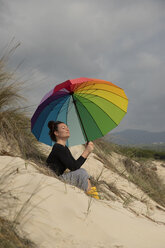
column 93, row 193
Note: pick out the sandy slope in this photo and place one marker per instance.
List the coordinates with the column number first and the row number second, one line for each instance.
column 57, row 215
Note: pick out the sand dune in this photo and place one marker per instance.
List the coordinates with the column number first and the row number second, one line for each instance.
column 55, row 215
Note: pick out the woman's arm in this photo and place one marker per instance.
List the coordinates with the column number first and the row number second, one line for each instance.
column 69, row 161
column 89, row 148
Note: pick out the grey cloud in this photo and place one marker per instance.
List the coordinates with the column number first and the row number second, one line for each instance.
column 119, row 41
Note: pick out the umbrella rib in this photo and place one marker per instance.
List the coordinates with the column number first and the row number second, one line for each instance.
column 93, row 96
column 102, row 90
column 94, row 83
column 78, row 114
column 67, row 111
column 67, row 114
column 79, row 86
column 40, row 106
column 48, row 115
column 90, row 115
column 63, row 109
column 101, row 110
column 88, row 85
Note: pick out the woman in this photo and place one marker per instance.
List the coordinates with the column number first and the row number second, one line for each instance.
column 61, row 159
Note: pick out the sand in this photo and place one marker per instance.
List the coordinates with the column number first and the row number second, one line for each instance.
column 55, row 215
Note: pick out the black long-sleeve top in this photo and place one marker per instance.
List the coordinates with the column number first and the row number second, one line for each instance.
column 61, row 159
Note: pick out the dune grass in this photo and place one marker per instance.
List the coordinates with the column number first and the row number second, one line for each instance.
column 14, row 121
column 146, row 179
column 9, row 238
column 143, row 176
column 15, row 133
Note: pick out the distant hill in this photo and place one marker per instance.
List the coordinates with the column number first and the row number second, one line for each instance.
column 136, row 137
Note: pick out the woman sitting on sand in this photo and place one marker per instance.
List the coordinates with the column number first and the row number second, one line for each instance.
column 61, row 159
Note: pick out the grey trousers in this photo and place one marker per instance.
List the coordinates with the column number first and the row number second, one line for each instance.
column 78, row 178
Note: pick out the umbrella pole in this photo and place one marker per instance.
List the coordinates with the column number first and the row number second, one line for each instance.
column 74, row 101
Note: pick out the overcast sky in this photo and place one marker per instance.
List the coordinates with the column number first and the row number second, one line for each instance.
column 122, row 41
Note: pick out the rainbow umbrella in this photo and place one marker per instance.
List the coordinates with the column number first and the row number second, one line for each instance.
column 90, row 107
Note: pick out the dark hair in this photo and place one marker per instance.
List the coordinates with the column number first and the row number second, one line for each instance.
column 53, row 126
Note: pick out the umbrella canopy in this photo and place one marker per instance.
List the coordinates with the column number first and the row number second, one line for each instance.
column 90, row 107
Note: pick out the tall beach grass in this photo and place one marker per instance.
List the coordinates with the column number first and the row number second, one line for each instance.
column 16, row 139
column 142, row 176
column 14, row 121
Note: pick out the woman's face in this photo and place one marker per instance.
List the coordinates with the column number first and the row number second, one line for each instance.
column 63, row 131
